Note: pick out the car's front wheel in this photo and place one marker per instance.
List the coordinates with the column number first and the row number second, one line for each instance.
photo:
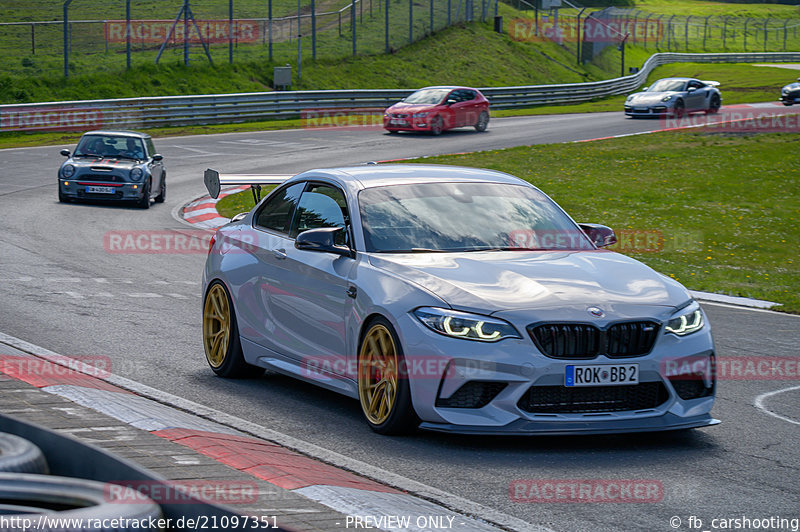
column 714, row 105
column 162, row 191
column 221, row 341
column 679, row 110
column 383, row 387
column 437, row 125
column 483, row 122
column 144, row 203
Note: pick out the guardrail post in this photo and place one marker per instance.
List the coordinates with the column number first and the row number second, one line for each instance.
column 353, row 23
column 314, row 29
column 410, row 21
column 269, row 21
column 746, row 21
column 66, row 38
column 686, row 34
column 386, row 25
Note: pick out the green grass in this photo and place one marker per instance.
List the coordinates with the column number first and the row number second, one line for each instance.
column 702, row 8
column 727, row 206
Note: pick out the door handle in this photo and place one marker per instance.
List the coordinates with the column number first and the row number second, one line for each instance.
column 279, row 254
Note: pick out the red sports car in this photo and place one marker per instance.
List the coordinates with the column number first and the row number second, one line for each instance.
column 435, row 109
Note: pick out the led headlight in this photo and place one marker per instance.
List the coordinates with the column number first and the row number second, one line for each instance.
column 421, row 115
column 136, row 174
column 687, row 322
column 68, row 170
column 666, row 98
column 465, row 325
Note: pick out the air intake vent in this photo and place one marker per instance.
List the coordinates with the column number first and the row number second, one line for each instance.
column 591, row 399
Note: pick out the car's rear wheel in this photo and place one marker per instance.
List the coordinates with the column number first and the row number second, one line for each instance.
column 437, row 125
column 714, row 104
column 679, row 110
column 383, row 387
column 483, row 122
column 162, row 191
column 144, row 203
column 221, row 341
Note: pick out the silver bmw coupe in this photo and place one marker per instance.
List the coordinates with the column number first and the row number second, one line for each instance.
column 452, row 299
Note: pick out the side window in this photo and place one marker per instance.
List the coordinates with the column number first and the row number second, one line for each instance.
column 454, row 96
column 468, row 95
column 151, row 149
column 321, row 206
column 276, row 213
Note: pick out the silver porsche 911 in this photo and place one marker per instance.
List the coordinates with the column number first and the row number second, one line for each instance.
column 452, row 299
column 675, row 97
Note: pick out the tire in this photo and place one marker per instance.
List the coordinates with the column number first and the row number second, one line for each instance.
column 787, row 104
column 437, row 125
column 714, row 105
column 679, row 110
column 74, row 500
column 162, row 193
column 387, row 409
column 221, row 342
column 483, row 122
column 18, row 455
column 144, row 203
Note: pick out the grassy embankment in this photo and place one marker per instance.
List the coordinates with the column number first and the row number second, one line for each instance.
column 726, row 206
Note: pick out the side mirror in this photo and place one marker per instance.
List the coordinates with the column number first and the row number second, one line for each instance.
column 158, row 157
column 450, row 101
column 322, row 239
column 601, row 235
column 691, row 89
column 645, row 89
column 65, row 153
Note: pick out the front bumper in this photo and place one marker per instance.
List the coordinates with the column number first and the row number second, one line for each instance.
column 648, row 110
column 790, row 98
column 82, row 189
column 484, row 388
column 407, row 124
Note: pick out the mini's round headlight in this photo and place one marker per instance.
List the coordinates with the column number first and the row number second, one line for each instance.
column 67, row 170
column 136, row 174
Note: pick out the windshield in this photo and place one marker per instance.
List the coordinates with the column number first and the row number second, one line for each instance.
column 428, row 96
column 110, row 146
column 464, row 217
column 667, row 85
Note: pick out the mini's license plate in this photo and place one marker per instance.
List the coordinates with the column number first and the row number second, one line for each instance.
column 99, row 190
column 605, row 375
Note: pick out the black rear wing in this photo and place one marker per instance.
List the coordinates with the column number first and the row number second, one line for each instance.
column 214, row 181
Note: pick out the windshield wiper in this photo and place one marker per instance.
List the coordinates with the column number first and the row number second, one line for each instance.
column 414, row 250
column 122, row 156
column 88, row 155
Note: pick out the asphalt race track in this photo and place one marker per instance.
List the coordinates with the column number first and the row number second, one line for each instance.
column 62, row 290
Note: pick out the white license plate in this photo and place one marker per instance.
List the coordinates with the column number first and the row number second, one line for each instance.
column 99, row 190
column 602, row 375
column 398, row 122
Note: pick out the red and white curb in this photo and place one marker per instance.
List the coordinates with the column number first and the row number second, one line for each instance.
column 202, row 212
column 266, row 454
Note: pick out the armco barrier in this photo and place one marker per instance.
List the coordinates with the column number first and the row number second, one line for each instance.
column 231, row 108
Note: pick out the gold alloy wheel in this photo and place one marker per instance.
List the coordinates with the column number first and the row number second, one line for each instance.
column 216, row 325
column 377, row 374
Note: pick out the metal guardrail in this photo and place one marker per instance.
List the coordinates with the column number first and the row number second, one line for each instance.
column 231, row 108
